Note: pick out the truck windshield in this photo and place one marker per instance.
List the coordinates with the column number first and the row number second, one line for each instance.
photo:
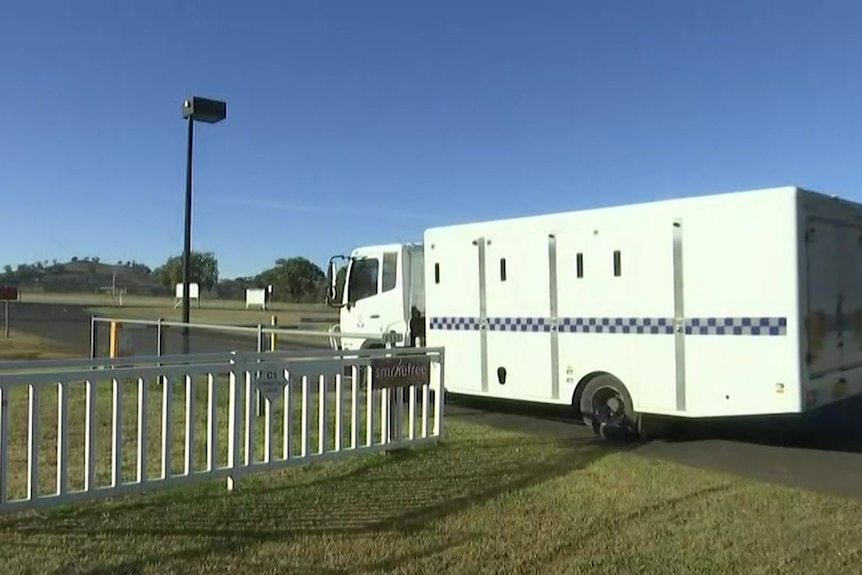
column 362, row 278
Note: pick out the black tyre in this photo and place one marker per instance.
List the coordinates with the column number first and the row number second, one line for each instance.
column 607, row 408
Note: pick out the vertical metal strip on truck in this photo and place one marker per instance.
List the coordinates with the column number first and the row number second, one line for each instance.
column 554, row 327
column 678, row 314
column 483, row 315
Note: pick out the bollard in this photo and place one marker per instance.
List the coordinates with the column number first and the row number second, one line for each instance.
column 273, row 321
column 114, row 340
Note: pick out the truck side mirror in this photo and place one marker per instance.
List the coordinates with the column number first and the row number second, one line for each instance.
column 332, row 281
column 331, row 276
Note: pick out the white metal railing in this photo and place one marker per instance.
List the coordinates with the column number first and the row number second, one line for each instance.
column 106, row 435
column 105, row 362
column 331, row 335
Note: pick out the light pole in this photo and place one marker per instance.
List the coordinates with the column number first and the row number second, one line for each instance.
column 195, row 109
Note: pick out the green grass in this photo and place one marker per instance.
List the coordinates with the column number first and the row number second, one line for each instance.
column 485, row 501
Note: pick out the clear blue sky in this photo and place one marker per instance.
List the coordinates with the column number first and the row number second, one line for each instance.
column 362, row 122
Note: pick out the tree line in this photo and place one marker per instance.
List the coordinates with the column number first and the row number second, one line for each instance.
column 295, row 279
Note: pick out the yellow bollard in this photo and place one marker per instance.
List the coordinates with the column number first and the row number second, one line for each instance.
column 273, row 321
column 114, row 341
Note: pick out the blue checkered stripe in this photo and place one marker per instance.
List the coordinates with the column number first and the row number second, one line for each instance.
column 736, row 326
column 535, row 324
column 519, row 324
column 647, row 325
column 454, row 323
column 759, row 326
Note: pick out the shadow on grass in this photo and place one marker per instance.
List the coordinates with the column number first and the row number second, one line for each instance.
column 542, row 419
column 400, row 493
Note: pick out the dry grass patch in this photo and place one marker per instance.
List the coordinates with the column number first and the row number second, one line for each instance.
column 24, row 346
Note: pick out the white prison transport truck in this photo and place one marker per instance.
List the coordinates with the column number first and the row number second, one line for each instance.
column 739, row 304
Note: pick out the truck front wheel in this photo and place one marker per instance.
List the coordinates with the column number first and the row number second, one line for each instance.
column 607, row 408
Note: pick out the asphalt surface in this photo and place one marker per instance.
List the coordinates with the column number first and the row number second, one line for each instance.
column 821, row 453
column 69, row 326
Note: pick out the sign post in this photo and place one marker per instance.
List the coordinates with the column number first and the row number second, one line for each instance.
column 7, row 294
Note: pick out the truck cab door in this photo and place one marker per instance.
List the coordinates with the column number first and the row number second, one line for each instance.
column 373, row 305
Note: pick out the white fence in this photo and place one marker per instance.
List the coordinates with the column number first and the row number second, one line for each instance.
column 170, row 420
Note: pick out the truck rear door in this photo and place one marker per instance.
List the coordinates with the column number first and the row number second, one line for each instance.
column 834, row 295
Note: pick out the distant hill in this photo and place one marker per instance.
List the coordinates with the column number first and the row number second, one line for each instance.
column 86, row 275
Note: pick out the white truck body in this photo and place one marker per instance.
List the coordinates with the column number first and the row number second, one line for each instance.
column 747, row 303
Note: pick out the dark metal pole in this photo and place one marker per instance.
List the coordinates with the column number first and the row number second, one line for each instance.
column 187, row 241
column 94, row 338
column 160, row 338
column 7, row 328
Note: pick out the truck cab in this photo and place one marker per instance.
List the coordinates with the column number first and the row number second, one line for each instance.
column 384, row 292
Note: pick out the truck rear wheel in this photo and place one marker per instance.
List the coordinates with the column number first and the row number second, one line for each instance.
column 607, row 408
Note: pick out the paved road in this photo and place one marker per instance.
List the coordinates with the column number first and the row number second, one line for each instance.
column 69, row 325
column 823, row 454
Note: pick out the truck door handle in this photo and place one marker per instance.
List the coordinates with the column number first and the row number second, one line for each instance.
column 375, row 316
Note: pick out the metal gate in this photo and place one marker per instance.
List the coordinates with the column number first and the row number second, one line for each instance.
column 79, row 430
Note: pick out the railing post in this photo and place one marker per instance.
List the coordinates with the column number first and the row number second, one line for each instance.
column 392, row 432
column 160, row 348
column 4, row 445
column 233, row 420
column 261, row 348
column 260, row 335
column 439, row 395
column 94, row 337
column 160, row 338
